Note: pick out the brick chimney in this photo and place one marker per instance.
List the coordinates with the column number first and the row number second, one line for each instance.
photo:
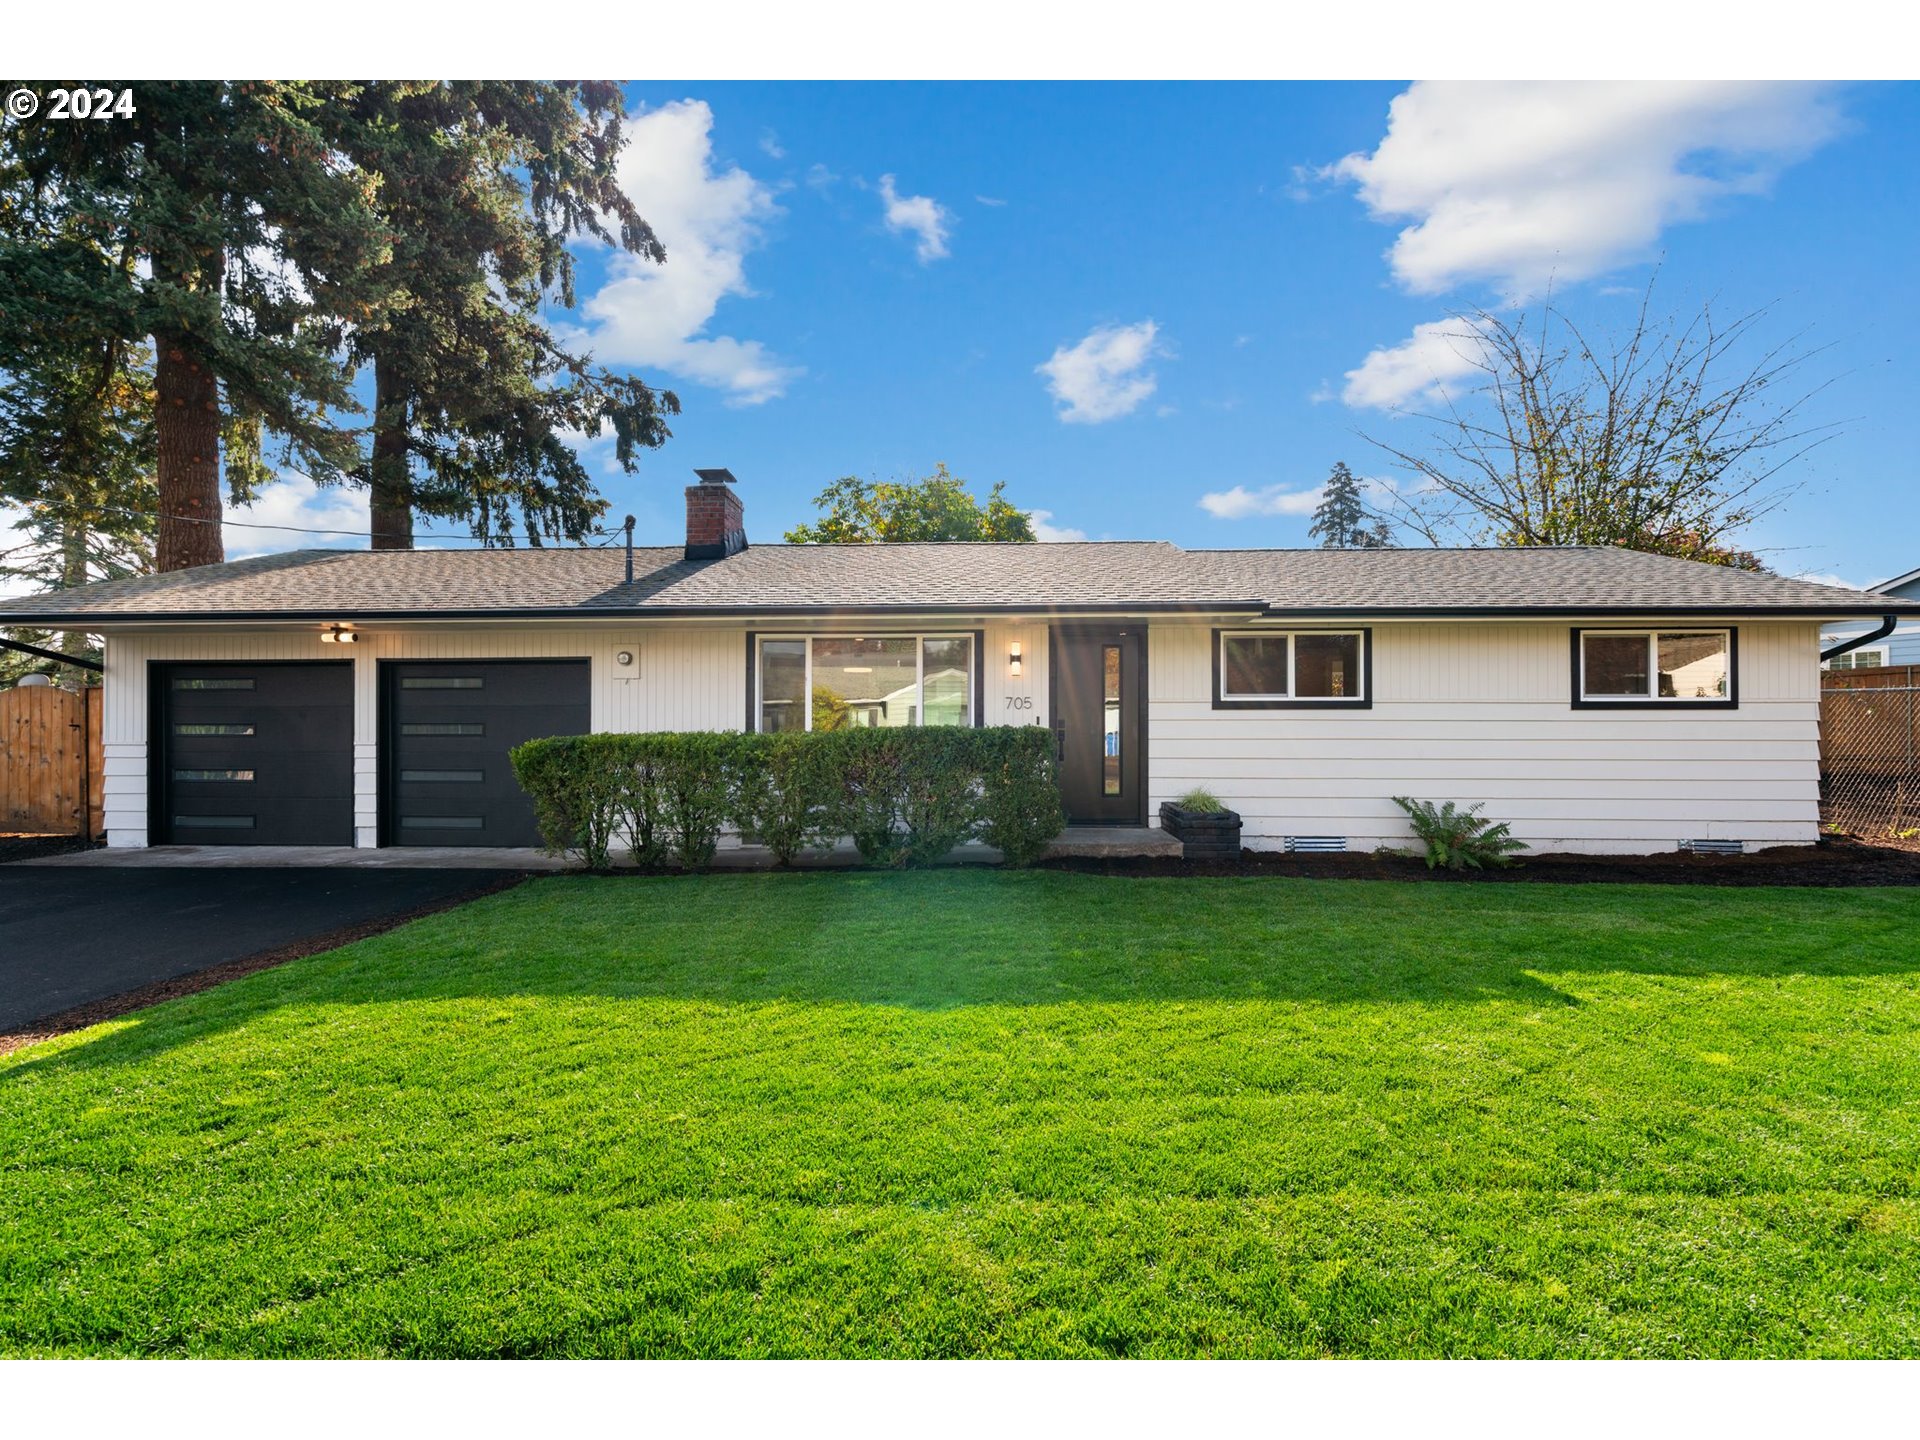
column 716, row 520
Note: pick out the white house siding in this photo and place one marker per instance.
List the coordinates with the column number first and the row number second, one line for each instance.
column 1478, row 712
column 682, row 678
column 685, row 676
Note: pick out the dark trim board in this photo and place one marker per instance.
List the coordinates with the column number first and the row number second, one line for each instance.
column 1365, row 702
column 1681, row 707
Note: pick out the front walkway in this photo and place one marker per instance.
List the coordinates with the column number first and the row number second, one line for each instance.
column 1099, row 842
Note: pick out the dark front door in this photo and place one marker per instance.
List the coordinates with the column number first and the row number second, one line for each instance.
column 449, row 726
column 1099, row 691
column 252, row 754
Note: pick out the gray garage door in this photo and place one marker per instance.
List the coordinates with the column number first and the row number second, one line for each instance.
column 449, row 726
column 253, row 754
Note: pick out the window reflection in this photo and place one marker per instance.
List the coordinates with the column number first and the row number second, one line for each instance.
column 1110, row 711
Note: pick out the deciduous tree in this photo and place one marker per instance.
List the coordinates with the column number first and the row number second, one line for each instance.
column 937, row 507
column 1673, row 437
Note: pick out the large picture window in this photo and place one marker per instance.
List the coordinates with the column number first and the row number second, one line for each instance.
column 840, row 682
column 1653, row 667
column 1276, row 669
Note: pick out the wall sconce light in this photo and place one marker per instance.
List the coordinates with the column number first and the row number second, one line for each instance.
column 1013, row 659
column 338, row 635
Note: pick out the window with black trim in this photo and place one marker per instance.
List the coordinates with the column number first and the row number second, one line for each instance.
column 1682, row 666
column 1278, row 669
column 840, row 682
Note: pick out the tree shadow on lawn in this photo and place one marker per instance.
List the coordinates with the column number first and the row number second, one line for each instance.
column 946, row 940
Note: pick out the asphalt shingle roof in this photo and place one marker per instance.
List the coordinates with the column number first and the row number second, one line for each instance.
column 556, row 583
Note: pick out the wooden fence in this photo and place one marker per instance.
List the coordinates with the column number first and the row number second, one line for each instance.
column 50, row 782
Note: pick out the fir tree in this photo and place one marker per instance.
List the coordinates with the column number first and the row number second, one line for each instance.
column 1341, row 521
column 481, row 184
column 219, row 221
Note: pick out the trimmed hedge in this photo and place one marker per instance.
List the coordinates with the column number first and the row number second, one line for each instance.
column 906, row 796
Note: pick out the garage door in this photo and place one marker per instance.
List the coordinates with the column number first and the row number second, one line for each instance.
column 257, row 754
column 448, row 730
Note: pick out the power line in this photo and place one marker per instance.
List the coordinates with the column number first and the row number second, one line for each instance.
column 366, row 534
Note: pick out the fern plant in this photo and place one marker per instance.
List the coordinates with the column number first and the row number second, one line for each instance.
column 1457, row 838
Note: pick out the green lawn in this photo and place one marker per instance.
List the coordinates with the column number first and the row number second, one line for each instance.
column 993, row 1113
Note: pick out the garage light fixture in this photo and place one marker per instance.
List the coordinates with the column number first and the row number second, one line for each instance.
column 1013, row 659
column 338, row 635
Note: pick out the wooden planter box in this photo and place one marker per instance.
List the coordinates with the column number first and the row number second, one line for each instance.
column 1211, row 836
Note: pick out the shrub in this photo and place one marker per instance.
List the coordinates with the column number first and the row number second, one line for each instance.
column 907, row 796
column 695, row 781
column 1201, row 802
column 1020, row 801
column 1460, row 839
column 783, row 794
column 577, row 786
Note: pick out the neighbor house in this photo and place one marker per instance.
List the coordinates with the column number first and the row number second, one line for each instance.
column 1900, row 646
column 1599, row 699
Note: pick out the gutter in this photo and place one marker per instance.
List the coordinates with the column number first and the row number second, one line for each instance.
column 79, row 662
column 1887, row 624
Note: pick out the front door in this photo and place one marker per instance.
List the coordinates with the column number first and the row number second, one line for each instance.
column 1099, row 690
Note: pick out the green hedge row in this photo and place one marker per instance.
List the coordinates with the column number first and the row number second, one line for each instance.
column 906, row 796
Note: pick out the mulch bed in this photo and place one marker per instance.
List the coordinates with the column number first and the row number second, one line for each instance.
column 1833, row 862
column 114, row 1006
column 32, row 847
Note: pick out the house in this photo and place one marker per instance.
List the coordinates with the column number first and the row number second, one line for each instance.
column 1599, row 699
column 1900, row 647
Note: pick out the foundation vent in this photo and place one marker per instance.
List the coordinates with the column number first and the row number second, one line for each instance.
column 1316, row 844
column 1715, row 847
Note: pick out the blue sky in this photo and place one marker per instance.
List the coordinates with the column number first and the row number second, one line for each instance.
column 1165, row 310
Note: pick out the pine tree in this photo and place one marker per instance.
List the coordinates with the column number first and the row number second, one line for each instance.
column 1341, row 522
column 481, row 185
column 218, row 221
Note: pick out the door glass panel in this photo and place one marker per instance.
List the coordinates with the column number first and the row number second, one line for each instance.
column 1110, row 723
column 866, row 683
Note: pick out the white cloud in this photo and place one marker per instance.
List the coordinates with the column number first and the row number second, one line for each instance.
column 657, row 315
column 1048, row 533
column 919, row 215
column 771, row 147
column 1419, row 368
column 298, row 506
column 1519, row 183
column 989, row 201
column 819, row 177
column 1240, row 503
column 1105, row 376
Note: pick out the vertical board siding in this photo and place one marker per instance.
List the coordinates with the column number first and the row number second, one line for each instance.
column 1481, row 712
column 684, row 678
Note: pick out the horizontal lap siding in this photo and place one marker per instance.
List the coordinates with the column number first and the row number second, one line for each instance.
column 1481, row 713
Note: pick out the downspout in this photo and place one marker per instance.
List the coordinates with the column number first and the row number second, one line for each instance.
column 34, row 650
column 1887, row 622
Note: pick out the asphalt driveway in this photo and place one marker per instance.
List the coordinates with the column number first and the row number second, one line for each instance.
column 70, row 936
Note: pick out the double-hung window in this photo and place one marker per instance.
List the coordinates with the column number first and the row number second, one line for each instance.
column 1654, row 668
column 1280, row 669
column 841, row 682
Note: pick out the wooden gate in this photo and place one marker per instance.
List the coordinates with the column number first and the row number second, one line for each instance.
column 50, row 761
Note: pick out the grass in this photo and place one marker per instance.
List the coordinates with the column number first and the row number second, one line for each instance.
column 965, row 1113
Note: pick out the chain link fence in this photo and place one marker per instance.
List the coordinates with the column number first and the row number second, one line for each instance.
column 1870, row 753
